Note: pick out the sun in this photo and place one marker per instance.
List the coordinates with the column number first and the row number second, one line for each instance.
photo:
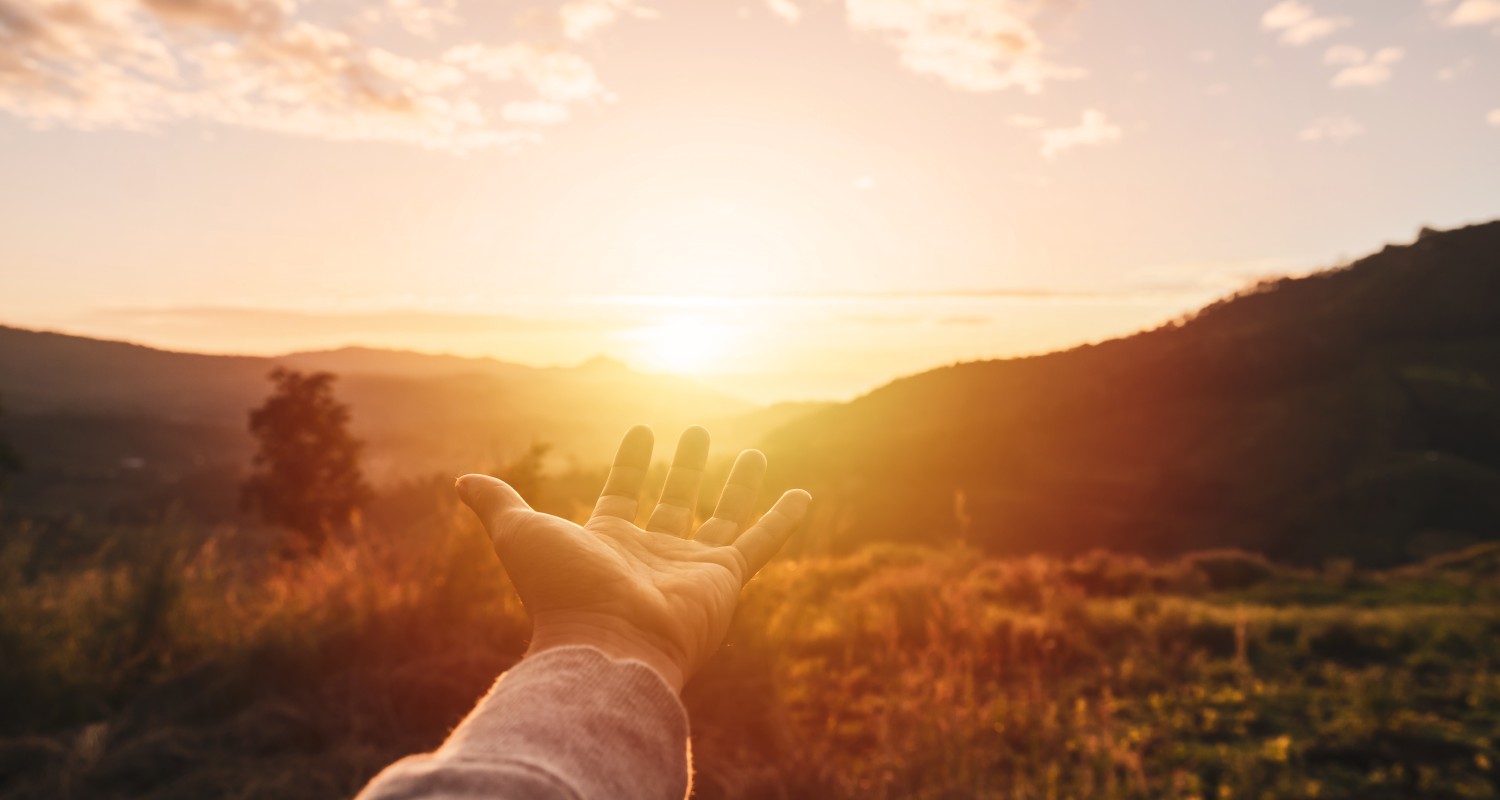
column 685, row 345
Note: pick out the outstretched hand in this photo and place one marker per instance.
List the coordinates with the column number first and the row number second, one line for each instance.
column 663, row 595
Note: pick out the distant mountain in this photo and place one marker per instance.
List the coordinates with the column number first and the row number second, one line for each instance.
column 1351, row 413
column 121, row 419
column 403, row 364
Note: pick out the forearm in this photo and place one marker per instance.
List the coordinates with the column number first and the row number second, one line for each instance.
column 569, row 722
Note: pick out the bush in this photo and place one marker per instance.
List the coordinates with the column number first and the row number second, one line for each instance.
column 893, row 672
column 1227, row 570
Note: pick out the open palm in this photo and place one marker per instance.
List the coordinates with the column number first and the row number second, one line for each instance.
column 663, row 594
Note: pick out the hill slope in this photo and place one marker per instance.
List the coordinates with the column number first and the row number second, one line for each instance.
column 1352, row 412
column 107, row 420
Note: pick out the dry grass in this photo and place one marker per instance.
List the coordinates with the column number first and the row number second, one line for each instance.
column 182, row 669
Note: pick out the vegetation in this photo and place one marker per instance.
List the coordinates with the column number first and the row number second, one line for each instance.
column 79, row 407
column 306, row 474
column 1351, row 413
column 10, row 460
column 1342, row 423
column 175, row 662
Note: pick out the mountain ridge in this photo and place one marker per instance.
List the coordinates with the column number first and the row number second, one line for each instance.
column 106, row 418
column 1285, row 418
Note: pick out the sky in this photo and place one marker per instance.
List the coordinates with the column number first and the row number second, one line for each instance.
column 789, row 199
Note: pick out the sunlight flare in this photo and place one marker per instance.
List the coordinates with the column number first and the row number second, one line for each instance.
column 684, row 345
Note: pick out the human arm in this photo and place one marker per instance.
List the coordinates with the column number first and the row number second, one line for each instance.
column 622, row 616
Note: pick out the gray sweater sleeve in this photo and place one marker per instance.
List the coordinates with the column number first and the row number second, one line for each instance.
column 567, row 723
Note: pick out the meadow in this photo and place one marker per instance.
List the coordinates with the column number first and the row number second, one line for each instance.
column 170, row 661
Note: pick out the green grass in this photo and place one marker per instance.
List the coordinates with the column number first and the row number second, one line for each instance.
column 174, row 663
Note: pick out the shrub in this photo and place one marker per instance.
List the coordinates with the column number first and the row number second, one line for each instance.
column 1230, row 569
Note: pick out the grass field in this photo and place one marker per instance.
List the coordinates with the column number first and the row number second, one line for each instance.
column 174, row 663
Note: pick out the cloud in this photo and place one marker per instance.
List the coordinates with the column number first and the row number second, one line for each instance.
column 1475, row 12
column 279, row 330
column 1493, row 118
column 555, row 75
column 1335, row 128
column 1095, row 129
column 535, row 112
column 422, row 18
column 582, row 19
column 285, row 66
column 1298, row 23
column 1343, row 54
column 139, row 64
column 973, row 45
column 1456, row 70
column 1360, row 69
column 864, row 183
column 785, row 9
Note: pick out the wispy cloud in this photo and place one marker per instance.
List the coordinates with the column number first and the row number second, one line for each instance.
column 421, row 17
column 1475, row 12
column 1298, row 24
column 1360, row 68
column 263, row 64
column 975, row 46
column 785, row 9
column 582, row 19
column 535, row 112
column 557, row 76
column 1094, row 129
column 1456, row 70
column 284, row 66
column 1334, row 128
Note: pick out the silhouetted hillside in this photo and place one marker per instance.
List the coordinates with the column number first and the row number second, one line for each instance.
column 1353, row 412
column 101, row 423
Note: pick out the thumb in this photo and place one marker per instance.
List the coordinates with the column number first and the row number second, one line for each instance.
column 496, row 504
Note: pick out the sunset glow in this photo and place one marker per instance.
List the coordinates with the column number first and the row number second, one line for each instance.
column 801, row 399
column 685, row 345
column 902, row 185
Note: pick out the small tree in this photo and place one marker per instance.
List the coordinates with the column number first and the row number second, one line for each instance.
column 305, row 475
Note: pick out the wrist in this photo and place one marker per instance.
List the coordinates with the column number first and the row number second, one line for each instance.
column 609, row 636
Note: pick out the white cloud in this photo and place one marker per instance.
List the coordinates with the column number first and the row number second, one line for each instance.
column 785, row 9
column 535, row 112
column 1456, row 70
column 1095, row 129
column 423, row 18
column 1299, row 24
column 1360, row 69
column 1475, row 12
column 1343, row 54
column 582, row 19
column 975, row 45
column 138, row 64
column 1335, row 128
column 556, row 75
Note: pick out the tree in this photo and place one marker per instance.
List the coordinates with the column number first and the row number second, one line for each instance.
column 305, row 475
